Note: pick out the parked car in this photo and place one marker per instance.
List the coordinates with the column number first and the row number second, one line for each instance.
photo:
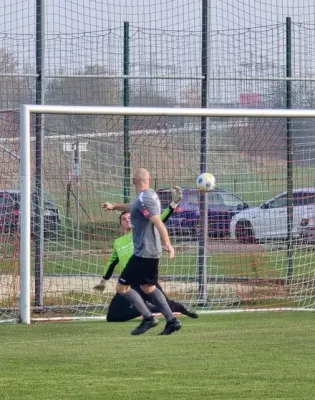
column 222, row 206
column 269, row 220
column 306, row 229
column 10, row 201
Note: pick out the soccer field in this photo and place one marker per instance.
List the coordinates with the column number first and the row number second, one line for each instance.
column 232, row 356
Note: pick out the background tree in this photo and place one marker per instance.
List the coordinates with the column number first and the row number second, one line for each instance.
column 89, row 91
column 13, row 92
column 149, row 95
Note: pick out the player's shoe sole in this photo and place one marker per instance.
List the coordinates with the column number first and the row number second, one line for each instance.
column 171, row 327
column 145, row 325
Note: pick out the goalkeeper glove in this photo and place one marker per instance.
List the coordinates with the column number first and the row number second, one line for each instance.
column 177, row 195
column 100, row 286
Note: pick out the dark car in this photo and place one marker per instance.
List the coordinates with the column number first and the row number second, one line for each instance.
column 222, row 206
column 10, row 201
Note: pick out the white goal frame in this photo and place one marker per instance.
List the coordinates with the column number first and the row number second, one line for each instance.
column 25, row 162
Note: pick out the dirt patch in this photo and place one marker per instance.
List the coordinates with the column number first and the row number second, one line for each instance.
column 81, row 287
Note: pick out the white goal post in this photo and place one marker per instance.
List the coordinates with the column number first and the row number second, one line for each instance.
column 26, row 168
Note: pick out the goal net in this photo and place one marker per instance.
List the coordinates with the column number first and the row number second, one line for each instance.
column 257, row 254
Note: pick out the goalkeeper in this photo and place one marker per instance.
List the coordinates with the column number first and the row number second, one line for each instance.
column 119, row 309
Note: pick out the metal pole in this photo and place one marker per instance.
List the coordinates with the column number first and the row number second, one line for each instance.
column 126, row 118
column 68, row 199
column 39, row 178
column 25, row 238
column 171, row 112
column 203, row 232
column 290, row 199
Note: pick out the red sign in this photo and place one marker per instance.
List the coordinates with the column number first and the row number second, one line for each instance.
column 250, row 99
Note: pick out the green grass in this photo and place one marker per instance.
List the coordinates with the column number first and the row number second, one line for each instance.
column 252, row 264
column 236, row 356
column 246, row 264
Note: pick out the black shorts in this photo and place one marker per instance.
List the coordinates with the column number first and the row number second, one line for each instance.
column 140, row 271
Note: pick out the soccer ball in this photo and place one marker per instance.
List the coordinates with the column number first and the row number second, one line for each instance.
column 205, row 182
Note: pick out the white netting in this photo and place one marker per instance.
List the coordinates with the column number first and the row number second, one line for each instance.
column 83, row 50
column 250, row 264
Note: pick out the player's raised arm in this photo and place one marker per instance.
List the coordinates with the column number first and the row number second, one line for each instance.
column 115, row 206
column 110, row 266
column 177, row 195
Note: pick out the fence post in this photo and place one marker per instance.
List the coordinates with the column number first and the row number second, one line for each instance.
column 290, row 198
column 126, row 118
column 203, row 231
column 39, row 179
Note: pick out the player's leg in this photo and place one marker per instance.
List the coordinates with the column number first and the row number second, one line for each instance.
column 120, row 310
column 177, row 307
column 130, row 276
column 146, row 299
column 136, row 301
column 157, row 297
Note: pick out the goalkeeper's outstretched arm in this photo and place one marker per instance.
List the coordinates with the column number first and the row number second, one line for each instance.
column 167, row 213
column 177, row 195
column 111, row 264
column 110, row 269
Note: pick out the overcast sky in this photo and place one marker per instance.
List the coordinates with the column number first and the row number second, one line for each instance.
column 165, row 35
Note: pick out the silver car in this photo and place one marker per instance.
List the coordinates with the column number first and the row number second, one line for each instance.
column 269, row 220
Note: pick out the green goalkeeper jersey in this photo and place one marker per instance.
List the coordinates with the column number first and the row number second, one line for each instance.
column 123, row 248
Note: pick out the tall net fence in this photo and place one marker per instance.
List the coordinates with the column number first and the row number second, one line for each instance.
column 83, row 55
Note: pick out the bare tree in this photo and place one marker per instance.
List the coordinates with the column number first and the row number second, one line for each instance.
column 147, row 95
column 13, row 89
column 13, row 92
column 96, row 91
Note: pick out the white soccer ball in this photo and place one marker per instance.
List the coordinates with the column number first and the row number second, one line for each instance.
column 205, row 182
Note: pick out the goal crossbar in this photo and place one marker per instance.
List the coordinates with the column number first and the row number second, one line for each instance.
column 25, row 161
column 27, row 109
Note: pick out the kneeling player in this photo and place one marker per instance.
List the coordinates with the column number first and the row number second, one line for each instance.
column 119, row 309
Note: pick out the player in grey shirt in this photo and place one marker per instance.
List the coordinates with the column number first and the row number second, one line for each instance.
column 146, row 238
column 149, row 234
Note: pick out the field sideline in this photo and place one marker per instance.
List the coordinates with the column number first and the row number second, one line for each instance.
column 233, row 356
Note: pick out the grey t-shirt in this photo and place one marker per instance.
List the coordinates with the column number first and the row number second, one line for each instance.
column 146, row 238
